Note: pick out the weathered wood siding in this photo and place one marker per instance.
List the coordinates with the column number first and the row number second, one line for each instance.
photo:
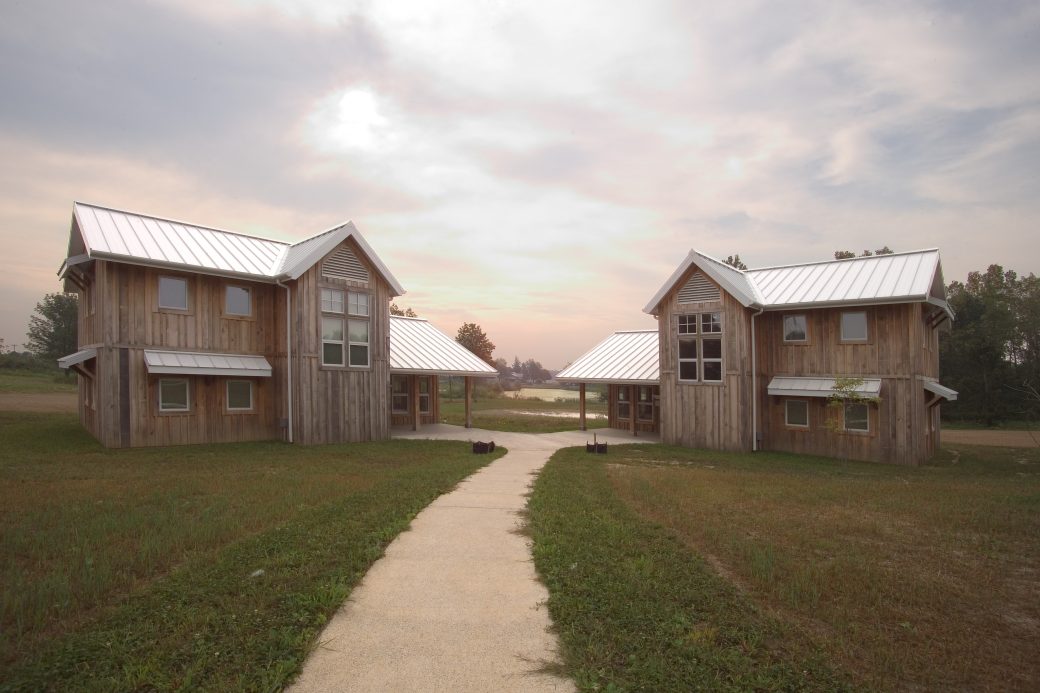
column 625, row 424
column 706, row 415
column 434, row 416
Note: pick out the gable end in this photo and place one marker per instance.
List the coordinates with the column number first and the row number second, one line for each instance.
column 699, row 290
column 344, row 264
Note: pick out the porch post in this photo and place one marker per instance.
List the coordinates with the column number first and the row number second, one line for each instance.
column 469, row 401
column 413, row 383
column 632, row 404
column 581, row 399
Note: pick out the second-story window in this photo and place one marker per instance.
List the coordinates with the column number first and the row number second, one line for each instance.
column 238, row 301
column 173, row 293
column 854, row 326
column 700, row 348
column 358, row 328
column 795, row 329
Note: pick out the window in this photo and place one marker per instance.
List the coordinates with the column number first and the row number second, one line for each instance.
column 700, row 350
column 424, row 395
column 796, row 413
column 357, row 303
column 854, row 327
column 795, row 329
column 173, row 293
column 331, row 301
column 239, row 395
column 332, row 341
column 624, row 405
column 357, row 332
column 857, row 417
column 237, row 301
column 173, row 395
column 645, row 404
column 399, row 394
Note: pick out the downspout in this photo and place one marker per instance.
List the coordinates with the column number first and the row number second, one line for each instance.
column 288, row 356
column 754, row 383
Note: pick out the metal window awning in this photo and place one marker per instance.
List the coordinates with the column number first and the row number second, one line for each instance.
column 201, row 363
column 940, row 390
column 66, row 362
column 790, row 386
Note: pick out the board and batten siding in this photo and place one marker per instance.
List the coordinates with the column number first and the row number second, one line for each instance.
column 706, row 415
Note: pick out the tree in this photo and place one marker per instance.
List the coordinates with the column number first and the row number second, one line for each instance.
column 884, row 250
column 52, row 327
column 407, row 312
column 502, row 366
column 843, row 254
column 473, row 338
column 534, row 372
column 735, row 261
column 517, row 366
column 846, row 254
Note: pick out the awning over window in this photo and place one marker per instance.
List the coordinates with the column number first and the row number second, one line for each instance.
column 941, row 390
column 200, row 363
column 790, row 386
column 79, row 357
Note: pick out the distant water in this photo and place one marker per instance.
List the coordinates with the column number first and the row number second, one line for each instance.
column 545, row 394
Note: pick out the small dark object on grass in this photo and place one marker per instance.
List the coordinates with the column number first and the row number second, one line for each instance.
column 595, row 446
column 480, row 448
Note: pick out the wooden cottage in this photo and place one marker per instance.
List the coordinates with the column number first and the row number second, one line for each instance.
column 190, row 334
column 627, row 363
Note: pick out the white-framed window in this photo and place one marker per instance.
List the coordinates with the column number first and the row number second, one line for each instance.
column 357, row 303
column 700, row 348
column 173, row 293
column 645, row 403
column 331, row 341
column 424, row 395
column 174, row 394
column 854, row 326
column 857, row 417
column 399, row 394
column 358, row 338
column 238, row 300
column 796, row 329
column 239, row 395
column 624, row 405
column 332, row 300
column 796, row 413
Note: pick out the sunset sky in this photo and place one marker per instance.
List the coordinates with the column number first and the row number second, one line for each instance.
column 539, row 168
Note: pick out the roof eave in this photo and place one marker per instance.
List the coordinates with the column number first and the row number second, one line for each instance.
column 611, row 381
column 435, row 371
column 181, row 267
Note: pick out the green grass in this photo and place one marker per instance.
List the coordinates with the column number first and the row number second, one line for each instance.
column 1013, row 425
column 35, row 381
column 903, row 578
column 138, row 569
column 505, row 414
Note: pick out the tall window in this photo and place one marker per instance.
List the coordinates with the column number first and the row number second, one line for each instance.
column 399, row 394
column 173, row 395
column 700, row 347
column 331, row 341
column 424, row 395
column 795, row 329
column 173, row 293
column 344, row 340
column 645, row 404
column 854, row 326
column 237, row 301
column 357, row 328
column 624, row 404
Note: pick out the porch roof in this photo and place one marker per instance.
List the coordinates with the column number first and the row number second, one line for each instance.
column 201, row 363
column 626, row 358
column 797, row 386
column 416, row 346
column 66, row 362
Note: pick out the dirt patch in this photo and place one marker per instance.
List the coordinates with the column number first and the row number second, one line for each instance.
column 38, row 401
column 1009, row 439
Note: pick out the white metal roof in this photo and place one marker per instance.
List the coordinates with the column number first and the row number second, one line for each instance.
column 790, row 386
column 914, row 276
column 935, row 388
column 80, row 356
column 629, row 357
column 416, row 346
column 140, row 239
column 201, row 363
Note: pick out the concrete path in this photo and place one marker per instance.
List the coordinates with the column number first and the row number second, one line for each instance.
column 455, row 604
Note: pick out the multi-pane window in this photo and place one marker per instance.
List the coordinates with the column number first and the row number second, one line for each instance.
column 424, row 395
column 237, row 301
column 795, row 328
column 796, row 413
column 173, row 394
column 345, row 342
column 239, row 395
column 399, row 394
column 857, row 417
column 332, row 300
column 645, row 404
column 331, row 341
column 173, row 293
column 854, row 326
column 700, row 347
column 624, row 404
column 357, row 303
column 357, row 333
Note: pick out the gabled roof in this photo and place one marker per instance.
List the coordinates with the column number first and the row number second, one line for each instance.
column 416, row 346
column 103, row 233
column 630, row 357
column 914, row 276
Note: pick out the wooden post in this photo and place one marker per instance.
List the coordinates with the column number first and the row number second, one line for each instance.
column 632, row 404
column 581, row 399
column 469, row 401
column 413, row 381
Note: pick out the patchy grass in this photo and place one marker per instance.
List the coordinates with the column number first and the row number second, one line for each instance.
column 636, row 609
column 36, row 381
column 522, row 415
column 907, row 578
column 1012, row 425
column 194, row 567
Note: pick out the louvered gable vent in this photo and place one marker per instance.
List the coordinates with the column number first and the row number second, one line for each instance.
column 699, row 289
column 344, row 264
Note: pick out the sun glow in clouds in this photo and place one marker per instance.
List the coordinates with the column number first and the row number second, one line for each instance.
column 350, row 120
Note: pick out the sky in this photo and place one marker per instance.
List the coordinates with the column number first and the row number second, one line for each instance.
column 539, row 168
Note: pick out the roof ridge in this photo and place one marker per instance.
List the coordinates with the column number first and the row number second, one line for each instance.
column 844, row 259
column 408, row 317
column 187, row 223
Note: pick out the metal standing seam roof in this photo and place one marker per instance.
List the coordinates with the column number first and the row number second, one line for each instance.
column 141, row 239
column 65, row 362
column 795, row 386
column 894, row 278
column 416, row 346
column 201, row 363
column 949, row 394
column 627, row 357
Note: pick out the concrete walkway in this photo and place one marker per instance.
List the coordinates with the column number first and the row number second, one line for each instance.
column 455, row 604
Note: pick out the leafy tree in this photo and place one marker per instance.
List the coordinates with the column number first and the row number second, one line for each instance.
column 735, row 261
column 534, row 372
column 406, row 312
column 502, row 366
column 843, row 254
column 52, row 327
column 517, row 366
column 473, row 338
column 884, row 250
column 846, row 254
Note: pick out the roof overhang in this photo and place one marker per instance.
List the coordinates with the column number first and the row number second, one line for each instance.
column 420, row 371
column 66, row 362
column 790, row 386
column 180, row 267
column 942, row 391
column 609, row 381
column 201, row 363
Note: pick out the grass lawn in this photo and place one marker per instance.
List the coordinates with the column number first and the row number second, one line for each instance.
column 522, row 415
column 208, row 567
column 34, row 381
column 668, row 565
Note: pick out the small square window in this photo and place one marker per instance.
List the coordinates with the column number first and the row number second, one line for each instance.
column 332, row 300
column 854, row 327
column 711, row 323
column 173, row 293
column 237, row 300
column 687, row 324
column 173, row 395
column 796, row 413
column 239, row 395
column 357, row 303
column 795, row 328
column 857, row 417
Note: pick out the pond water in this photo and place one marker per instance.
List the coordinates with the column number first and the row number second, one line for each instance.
column 546, row 394
column 557, row 414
